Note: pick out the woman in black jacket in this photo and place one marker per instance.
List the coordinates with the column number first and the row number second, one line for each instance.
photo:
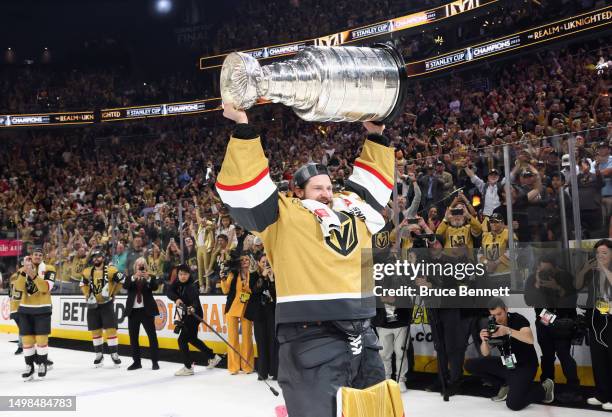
column 184, row 292
column 260, row 310
column 140, row 308
column 596, row 276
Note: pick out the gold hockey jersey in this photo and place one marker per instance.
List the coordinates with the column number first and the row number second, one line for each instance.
column 13, row 305
column 495, row 248
column 317, row 278
column 455, row 237
column 33, row 296
column 103, row 283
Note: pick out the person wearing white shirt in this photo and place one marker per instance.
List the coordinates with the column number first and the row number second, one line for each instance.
column 490, row 190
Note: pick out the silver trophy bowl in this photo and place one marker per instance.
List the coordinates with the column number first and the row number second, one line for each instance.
column 324, row 84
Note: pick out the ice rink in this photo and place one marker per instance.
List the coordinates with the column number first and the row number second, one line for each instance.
column 117, row 392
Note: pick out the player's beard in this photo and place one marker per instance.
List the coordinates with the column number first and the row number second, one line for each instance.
column 98, row 264
column 325, row 201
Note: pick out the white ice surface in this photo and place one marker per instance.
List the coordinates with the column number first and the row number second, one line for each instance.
column 115, row 392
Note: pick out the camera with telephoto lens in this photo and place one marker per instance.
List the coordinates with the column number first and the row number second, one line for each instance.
column 420, row 241
column 492, row 328
column 232, row 264
column 491, row 325
column 179, row 317
column 580, row 330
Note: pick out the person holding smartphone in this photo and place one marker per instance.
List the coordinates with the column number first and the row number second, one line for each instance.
column 140, row 308
column 260, row 310
column 460, row 224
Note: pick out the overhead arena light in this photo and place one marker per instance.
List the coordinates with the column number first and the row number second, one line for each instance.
column 163, row 6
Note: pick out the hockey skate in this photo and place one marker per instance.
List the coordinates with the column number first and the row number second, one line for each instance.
column 98, row 362
column 28, row 375
column 116, row 360
column 42, row 369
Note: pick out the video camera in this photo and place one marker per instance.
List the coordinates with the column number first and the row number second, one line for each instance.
column 179, row 317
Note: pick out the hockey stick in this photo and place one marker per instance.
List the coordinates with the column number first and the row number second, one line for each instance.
column 404, row 349
column 200, row 319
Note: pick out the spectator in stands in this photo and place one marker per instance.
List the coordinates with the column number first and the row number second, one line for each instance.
column 603, row 166
column 190, row 255
column 433, row 219
column 155, row 262
column 494, row 252
column 136, row 251
column 220, row 256
column 589, row 195
column 490, row 191
column 120, row 257
column 228, row 229
column 204, row 239
column 172, row 261
column 445, row 178
column 460, row 225
column 432, row 188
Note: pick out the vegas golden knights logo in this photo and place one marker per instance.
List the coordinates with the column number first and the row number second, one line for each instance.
column 331, row 40
column 343, row 241
column 457, row 241
column 31, row 288
column 492, row 251
column 97, row 285
column 460, row 6
column 382, row 240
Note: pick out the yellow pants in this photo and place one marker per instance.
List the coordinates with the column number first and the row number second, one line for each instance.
column 234, row 363
column 203, row 257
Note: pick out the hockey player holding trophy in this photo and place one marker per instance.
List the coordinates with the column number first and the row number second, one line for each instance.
column 328, row 351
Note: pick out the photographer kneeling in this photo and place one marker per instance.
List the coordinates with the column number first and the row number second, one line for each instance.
column 185, row 293
column 515, row 369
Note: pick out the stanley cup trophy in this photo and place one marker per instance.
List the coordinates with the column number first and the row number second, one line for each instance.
column 323, row 84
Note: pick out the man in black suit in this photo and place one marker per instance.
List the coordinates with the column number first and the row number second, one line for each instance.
column 140, row 308
column 432, row 189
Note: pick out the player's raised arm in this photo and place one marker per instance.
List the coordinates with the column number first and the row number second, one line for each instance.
column 372, row 177
column 244, row 183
